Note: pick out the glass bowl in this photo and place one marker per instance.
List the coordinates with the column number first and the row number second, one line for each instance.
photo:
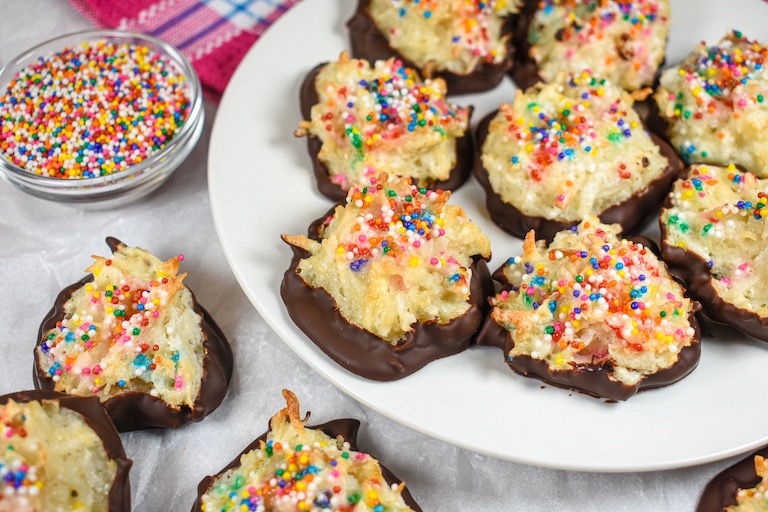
column 124, row 186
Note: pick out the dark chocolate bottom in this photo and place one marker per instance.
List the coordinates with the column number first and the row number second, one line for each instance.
column 462, row 168
column 591, row 379
column 720, row 492
column 368, row 42
column 346, row 428
column 135, row 410
column 632, row 213
column 694, row 271
column 314, row 311
column 96, row 418
column 525, row 69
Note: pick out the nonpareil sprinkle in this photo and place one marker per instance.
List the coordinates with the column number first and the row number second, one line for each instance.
column 92, row 110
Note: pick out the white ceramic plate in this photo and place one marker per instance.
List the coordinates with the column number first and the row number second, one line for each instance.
column 261, row 185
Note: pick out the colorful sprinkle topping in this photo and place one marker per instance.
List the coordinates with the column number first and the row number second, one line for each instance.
column 472, row 22
column 394, row 255
column 18, row 478
column 401, row 222
column 51, row 460
column 91, row 110
column 620, row 40
column 720, row 214
column 119, row 331
column 572, row 127
column 590, row 18
column 720, row 71
column 575, row 144
column 301, row 469
column 718, row 85
column 371, row 119
column 566, row 299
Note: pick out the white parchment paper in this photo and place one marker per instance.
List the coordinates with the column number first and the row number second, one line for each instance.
column 45, row 246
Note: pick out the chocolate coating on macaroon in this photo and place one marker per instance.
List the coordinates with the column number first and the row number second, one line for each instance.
column 525, row 71
column 134, row 410
column 347, row 428
column 369, row 43
column 315, row 312
column 308, row 97
column 591, row 379
column 632, row 214
column 695, row 272
column 720, row 492
column 95, row 416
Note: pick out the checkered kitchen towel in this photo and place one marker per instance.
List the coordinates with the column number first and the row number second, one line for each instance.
column 214, row 34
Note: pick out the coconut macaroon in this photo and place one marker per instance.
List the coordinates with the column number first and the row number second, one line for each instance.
column 361, row 119
column 623, row 41
column 756, row 498
column 715, row 104
column 294, row 467
column 60, row 453
column 394, row 278
column 134, row 336
column 569, row 149
column 593, row 312
column 465, row 42
column 715, row 236
column 742, row 487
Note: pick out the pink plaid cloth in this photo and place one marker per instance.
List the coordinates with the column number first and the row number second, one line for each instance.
column 213, row 34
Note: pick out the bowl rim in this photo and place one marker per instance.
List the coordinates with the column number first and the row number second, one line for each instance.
column 193, row 118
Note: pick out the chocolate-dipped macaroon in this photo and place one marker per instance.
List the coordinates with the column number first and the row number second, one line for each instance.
column 595, row 313
column 60, row 452
column 742, row 487
column 569, row 149
column 713, row 236
column 361, row 119
column 330, row 473
column 393, row 279
column 622, row 41
column 132, row 334
column 466, row 43
column 713, row 107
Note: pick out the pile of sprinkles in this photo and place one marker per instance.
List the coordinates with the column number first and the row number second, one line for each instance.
column 700, row 219
column 18, row 478
column 727, row 79
column 375, row 112
column 398, row 220
column 571, row 129
column 472, row 30
column 601, row 280
column 119, row 319
column 92, row 110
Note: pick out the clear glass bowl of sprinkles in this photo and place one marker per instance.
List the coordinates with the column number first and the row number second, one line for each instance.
column 97, row 118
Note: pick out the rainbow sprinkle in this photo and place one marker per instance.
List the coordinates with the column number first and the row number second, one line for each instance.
column 573, row 128
column 398, row 226
column 588, row 19
column 18, row 479
column 719, row 82
column 601, row 280
column 716, row 204
column 91, row 110
column 473, row 31
column 122, row 315
column 372, row 114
